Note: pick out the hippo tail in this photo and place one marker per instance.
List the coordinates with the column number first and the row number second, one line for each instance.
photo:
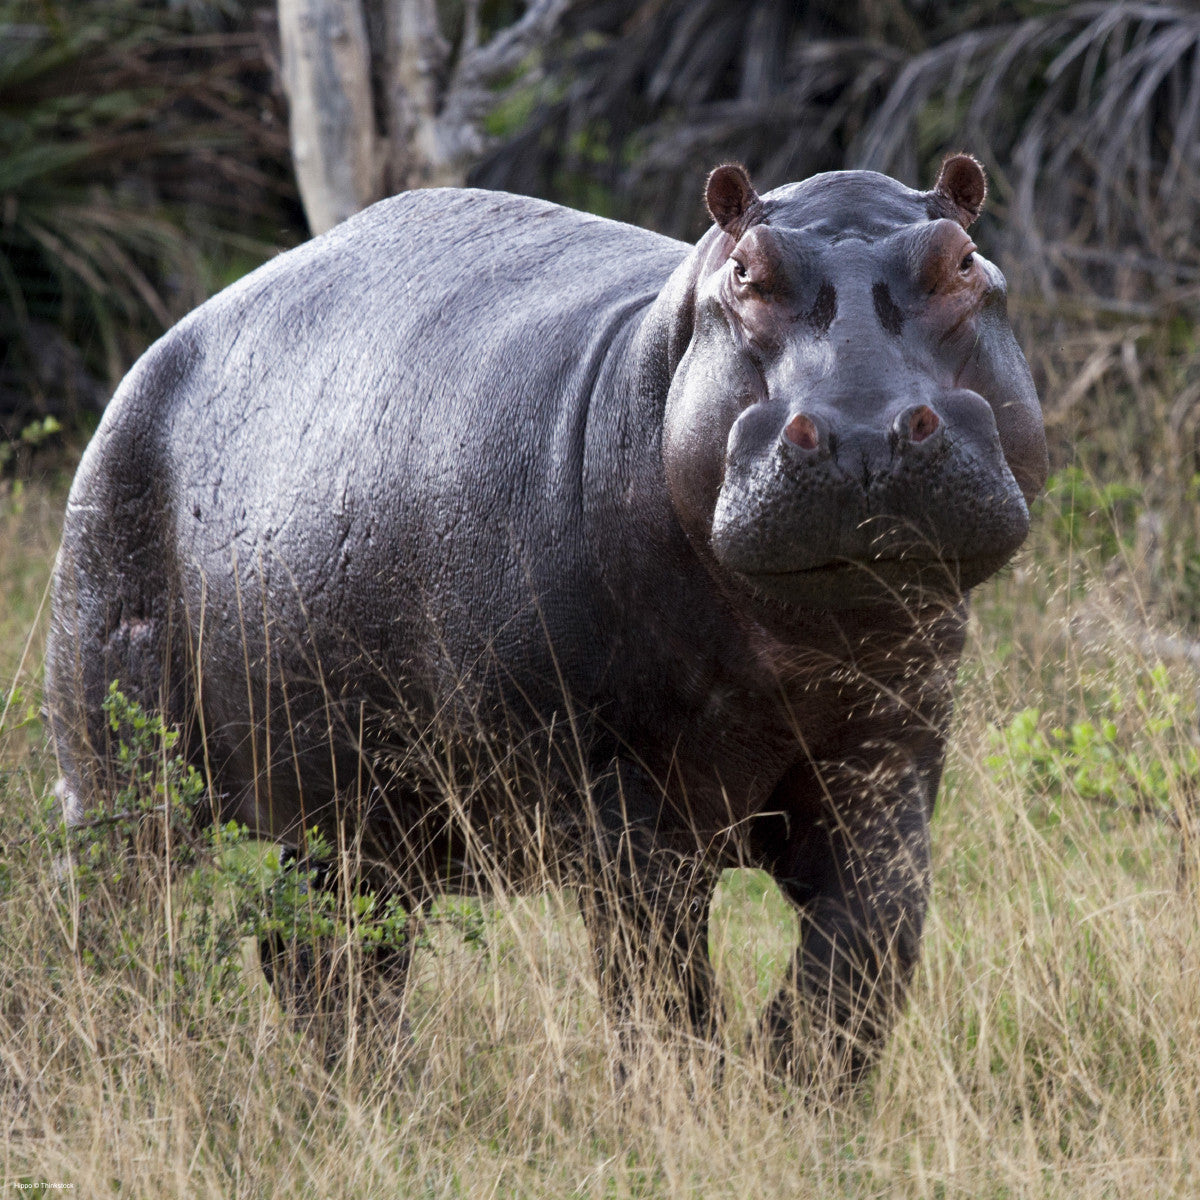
column 114, row 612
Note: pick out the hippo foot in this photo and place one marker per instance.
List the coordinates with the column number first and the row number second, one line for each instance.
column 338, row 996
column 827, row 1062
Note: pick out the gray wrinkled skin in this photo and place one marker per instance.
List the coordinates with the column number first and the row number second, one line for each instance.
column 478, row 463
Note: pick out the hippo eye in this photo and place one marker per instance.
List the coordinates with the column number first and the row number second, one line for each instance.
column 968, row 261
column 739, row 268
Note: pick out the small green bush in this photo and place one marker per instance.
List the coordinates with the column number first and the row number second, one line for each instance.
column 1090, row 516
column 1133, row 750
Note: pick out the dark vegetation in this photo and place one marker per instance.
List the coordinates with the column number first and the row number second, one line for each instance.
column 143, row 165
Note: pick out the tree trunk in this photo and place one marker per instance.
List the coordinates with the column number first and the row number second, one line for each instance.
column 327, row 77
column 416, row 60
column 378, row 101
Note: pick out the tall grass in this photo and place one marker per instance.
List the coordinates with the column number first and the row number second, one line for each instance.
column 1051, row 1046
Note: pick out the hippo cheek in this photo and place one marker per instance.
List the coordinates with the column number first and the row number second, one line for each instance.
column 714, row 383
column 997, row 369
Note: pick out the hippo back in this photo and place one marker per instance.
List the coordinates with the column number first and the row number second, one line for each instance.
column 370, row 445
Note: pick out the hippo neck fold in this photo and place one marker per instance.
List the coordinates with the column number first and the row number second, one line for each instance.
column 622, row 458
column 667, row 326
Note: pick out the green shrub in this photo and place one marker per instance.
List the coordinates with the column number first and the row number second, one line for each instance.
column 146, row 857
column 1089, row 516
column 1133, row 750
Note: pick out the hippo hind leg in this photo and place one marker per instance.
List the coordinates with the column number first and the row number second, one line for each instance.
column 111, row 632
column 333, row 987
column 645, row 907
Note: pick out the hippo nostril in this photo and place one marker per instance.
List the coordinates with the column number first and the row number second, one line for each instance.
column 920, row 423
column 802, row 431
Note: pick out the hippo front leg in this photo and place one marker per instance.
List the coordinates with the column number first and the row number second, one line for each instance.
column 645, row 905
column 858, row 870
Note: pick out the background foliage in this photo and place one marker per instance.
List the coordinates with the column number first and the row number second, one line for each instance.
column 143, row 164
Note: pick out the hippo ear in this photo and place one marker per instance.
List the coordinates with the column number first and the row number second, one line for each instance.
column 731, row 198
column 962, row 183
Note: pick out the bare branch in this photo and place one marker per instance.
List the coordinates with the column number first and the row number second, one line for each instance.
column 488, row 63
column 458, row 132
column 470, row 38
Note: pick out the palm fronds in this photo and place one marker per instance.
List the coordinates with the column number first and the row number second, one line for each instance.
column 133, row 156
column 1087, row 114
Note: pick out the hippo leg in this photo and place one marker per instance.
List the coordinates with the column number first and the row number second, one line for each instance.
column 859, row 875
column 325, row 989
column 646, row 907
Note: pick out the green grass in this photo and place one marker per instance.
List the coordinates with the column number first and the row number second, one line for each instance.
column 1051, row 1047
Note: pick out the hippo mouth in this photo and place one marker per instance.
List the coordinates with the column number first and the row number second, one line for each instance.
column 910, row 581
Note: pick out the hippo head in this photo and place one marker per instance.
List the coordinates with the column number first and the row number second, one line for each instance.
column 852, row 421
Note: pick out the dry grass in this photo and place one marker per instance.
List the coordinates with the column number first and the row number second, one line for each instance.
column 1051, row 1046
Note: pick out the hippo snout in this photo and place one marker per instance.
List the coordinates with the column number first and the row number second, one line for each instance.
column 817, row 495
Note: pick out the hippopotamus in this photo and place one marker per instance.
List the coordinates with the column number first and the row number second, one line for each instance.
column 479, row 530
